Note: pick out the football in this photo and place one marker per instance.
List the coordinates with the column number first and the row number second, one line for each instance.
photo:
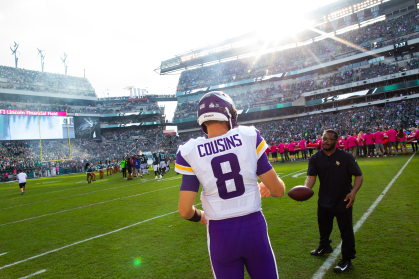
column 300, row 193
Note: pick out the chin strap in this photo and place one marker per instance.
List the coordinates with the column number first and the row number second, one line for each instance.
column 229, row 118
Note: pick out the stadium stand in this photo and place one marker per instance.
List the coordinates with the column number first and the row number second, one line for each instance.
column 293, row 91
column 21, row 79
column 393, row 30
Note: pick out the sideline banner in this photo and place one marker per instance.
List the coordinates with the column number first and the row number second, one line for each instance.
column 32, row 113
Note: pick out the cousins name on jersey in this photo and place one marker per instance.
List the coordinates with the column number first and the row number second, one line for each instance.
column 219, row 145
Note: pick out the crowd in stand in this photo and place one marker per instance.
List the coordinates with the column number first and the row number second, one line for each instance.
column 48, row 82
column 123, row 120
column 292, row 91
column 76, row 109
column 404, row 114
column 301, row 57
column 27, row 154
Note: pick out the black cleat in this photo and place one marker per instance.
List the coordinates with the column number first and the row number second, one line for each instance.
column 321, row 251
column 343, row 265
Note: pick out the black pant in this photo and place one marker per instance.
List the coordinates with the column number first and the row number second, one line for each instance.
column 415, row 146
column 360, row 149
column 124, row 172
column 344, row 219
column 310, row 151
column 282, row 157
column 370, row 149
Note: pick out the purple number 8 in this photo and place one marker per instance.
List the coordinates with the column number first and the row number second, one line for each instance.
column 223, row 177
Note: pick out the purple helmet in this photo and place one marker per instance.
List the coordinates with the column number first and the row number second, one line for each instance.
column 217, row 106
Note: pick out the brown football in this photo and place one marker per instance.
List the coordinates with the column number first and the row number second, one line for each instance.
column 300, row 193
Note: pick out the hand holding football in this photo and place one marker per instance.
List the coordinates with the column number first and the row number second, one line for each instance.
column 300, row 193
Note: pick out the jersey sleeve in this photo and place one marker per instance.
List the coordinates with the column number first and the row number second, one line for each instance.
column 190, row 183
column 263, row 165
column 353, row 167
column 261, row 145
column 182, row 166
column 312, row 169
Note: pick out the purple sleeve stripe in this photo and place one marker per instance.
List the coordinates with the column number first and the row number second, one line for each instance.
column 263, row 165
column 259, row 139
column 189, row 183
column 181, row 161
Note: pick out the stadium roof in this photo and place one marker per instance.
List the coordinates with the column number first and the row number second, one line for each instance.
column 249, row 43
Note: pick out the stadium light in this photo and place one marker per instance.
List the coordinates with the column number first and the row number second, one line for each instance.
column 14, row 52
column 63, row 60
column 42, row 58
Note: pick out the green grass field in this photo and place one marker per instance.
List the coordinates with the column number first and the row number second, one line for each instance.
column 113, row 228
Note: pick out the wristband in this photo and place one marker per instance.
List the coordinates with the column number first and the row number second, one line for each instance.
column 196, row 217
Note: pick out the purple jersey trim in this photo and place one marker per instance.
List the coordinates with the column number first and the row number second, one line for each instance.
column 189, row 183
column 259, row 139
column 181, row 161
column 263, row 165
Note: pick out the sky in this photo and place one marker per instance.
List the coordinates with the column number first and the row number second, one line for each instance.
column 120, row 43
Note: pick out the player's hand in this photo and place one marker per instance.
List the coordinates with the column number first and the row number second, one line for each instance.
column 264, row 192
column 203, row 220
column 351, row 198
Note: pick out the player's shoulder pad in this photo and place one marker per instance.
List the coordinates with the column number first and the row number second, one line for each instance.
column 187, row 147
column 247, row 130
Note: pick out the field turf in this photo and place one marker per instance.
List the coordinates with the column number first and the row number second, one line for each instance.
column 113, row 228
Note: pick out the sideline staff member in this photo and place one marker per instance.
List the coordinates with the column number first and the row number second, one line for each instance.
column 335, row 168
column 123, row 167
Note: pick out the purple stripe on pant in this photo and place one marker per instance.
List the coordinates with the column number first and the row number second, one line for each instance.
column 241, row 241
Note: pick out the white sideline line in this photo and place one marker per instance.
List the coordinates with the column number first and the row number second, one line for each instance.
column 292, row 173
column 3, row 254
column 88, row 239
column 332, row 258
column 33, row 274
column 84, row 206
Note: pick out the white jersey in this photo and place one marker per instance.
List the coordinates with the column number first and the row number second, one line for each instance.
column 226, row 168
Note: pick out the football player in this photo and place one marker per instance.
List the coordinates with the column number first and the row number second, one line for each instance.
column 144, row 164
column 227, row 165
column 162, row 156
column 156, row 162
column 167, row 160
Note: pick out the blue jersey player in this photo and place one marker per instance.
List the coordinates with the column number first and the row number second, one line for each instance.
column 227, row 165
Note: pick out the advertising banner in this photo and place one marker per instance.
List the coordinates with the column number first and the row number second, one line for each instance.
column 29, row 112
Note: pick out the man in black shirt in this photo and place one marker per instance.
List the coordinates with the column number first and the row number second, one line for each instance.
column 335, row 169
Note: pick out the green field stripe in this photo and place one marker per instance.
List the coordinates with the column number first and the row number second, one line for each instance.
column 84, row 206
column 60, row 198
column 88, row 239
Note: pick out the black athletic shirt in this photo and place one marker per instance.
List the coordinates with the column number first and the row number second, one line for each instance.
column 335, row 174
